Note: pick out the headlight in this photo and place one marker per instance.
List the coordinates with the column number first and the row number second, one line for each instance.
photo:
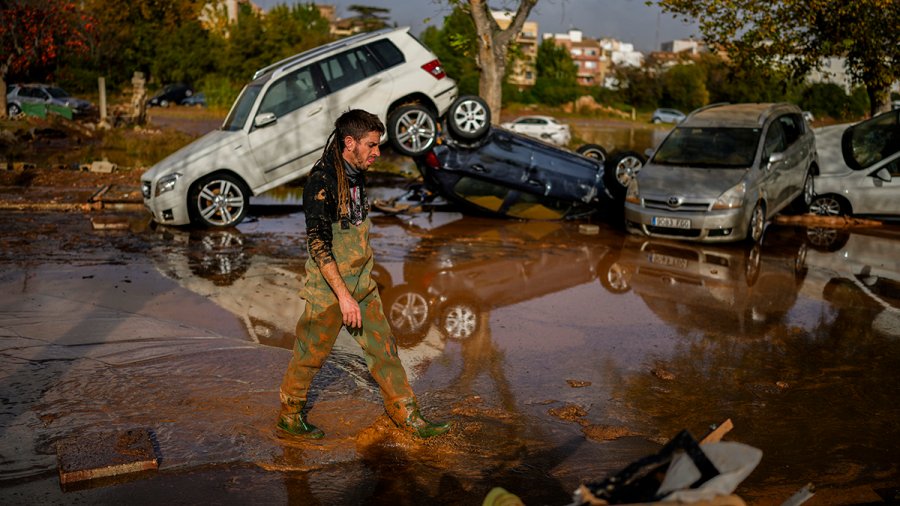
column 733, row 198
column 166, row 183
column 632, row 194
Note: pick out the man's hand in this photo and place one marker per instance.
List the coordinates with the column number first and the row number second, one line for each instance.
column 351, row 312
column 349, row 307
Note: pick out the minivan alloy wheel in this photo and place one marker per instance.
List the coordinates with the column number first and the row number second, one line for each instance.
column 757, row 223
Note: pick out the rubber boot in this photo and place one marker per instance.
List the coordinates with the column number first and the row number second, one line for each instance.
column 291, row 420
column 405, row 415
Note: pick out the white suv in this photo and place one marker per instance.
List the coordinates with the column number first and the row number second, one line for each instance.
column 277, row 127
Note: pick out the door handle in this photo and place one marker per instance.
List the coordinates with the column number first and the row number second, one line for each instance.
column 375, row 81
column 478, row 168
column 317, row 111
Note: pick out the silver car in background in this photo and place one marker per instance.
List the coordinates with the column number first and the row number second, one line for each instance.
column 723, row 172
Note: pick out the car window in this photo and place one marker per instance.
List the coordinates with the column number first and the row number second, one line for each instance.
column 709, row 147
column 872, row 141
column 790, row 124
column 387, row 53
column 290, row 93
column 504, row 200
column 57, row 92
column 32, row 92
column 341, row 71
column 775, row 142
column 241, row 109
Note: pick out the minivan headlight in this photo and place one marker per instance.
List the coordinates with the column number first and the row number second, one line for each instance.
column 166, row 183
column 733, row 198
column 633, row 194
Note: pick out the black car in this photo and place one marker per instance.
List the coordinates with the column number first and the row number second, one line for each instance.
column 498, row 172
column 171, row 94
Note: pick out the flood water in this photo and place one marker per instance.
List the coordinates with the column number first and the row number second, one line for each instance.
column 560, row 358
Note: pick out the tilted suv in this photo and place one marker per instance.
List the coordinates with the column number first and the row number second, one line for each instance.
column 723, row 172
column 279, row 124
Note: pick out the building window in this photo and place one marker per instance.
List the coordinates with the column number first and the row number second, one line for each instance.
column 590, row 64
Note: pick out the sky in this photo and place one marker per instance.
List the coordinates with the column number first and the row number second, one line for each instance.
column 626, row 20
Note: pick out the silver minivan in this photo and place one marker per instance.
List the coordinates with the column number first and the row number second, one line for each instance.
column 723, row 172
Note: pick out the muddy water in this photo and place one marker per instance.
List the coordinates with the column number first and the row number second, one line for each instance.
column 614, row 136
column 560, row 357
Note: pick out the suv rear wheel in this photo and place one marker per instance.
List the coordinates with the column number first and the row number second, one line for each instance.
column 412, row 129
column 219, row 200
column 469, row 118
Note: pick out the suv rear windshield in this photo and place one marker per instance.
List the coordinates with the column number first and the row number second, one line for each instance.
column 709, row 147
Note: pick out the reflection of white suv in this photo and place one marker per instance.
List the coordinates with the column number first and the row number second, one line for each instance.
column 278, row 126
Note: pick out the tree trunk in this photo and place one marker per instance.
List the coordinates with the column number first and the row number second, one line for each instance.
column 4, row 107
column 493, row 45
column 879, row 99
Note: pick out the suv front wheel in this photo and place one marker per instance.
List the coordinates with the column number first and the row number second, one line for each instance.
column 412, row 129
column 219, row 200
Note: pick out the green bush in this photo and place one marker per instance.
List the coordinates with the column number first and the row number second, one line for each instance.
column 219, row 90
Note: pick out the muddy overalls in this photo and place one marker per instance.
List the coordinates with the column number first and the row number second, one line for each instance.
column 322, row 319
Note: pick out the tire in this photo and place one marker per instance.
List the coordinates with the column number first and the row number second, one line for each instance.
column 459, row 320
column 802, row 202
column 752, row 262
column 757, row 225
column 826, row 239
column 594, row 151
column 412, row 129
column 218, row 201
column 13, row 110
column 829, row 205
column 164, row 103
column 620, row 169
column 469, row 118
column 656, row 121
column 408, row 312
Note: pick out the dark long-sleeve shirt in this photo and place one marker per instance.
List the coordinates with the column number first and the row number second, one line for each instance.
column 320, row 204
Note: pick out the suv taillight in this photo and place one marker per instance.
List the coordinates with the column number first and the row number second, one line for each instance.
column 435, row 69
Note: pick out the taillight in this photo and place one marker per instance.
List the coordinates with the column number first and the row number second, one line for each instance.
column 435, row 68
column 431, row 160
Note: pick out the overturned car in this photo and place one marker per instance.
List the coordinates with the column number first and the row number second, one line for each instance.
column 493, row 171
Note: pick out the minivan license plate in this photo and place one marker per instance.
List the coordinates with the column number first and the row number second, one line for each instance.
column 663, row 221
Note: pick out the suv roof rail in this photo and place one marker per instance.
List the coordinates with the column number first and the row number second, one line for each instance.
column 705, row 107
column 331, row 46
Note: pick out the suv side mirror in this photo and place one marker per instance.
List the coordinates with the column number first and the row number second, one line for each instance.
column 882, row 174
column 264, row 119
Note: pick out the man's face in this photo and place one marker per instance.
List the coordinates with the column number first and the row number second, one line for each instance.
column 361, row 154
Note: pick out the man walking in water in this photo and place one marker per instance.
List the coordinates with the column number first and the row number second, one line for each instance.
column 339, row 288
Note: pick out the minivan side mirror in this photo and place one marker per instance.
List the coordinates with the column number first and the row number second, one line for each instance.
column 264, row 119
column 775, row 158
column 882, row 174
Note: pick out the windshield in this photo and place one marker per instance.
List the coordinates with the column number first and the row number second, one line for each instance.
column 57, row 93
column 709, row 147
column 240, row 111
column 871, row 141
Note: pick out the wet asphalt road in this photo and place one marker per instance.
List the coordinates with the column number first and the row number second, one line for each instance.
column 560, row 357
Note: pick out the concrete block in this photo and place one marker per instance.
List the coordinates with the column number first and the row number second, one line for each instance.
column 103, row 166
column 101, row 455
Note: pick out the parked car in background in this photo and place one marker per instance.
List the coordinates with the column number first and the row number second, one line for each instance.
column 667, row 116
column 859, row 168
column 20, row 94
column 171, row 94
column 278, row 126
column 545, row 128
column 723, row 172
column 195, row 100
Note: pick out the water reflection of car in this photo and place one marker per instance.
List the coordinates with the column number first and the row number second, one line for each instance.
column 545, row 128
column 465, row 268
column 860, row 274
column 715, row 288
column 859, row 168
column 723, row 172
column 20, row 94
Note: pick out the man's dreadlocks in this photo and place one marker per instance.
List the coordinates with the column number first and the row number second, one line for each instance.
column 356, row 123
